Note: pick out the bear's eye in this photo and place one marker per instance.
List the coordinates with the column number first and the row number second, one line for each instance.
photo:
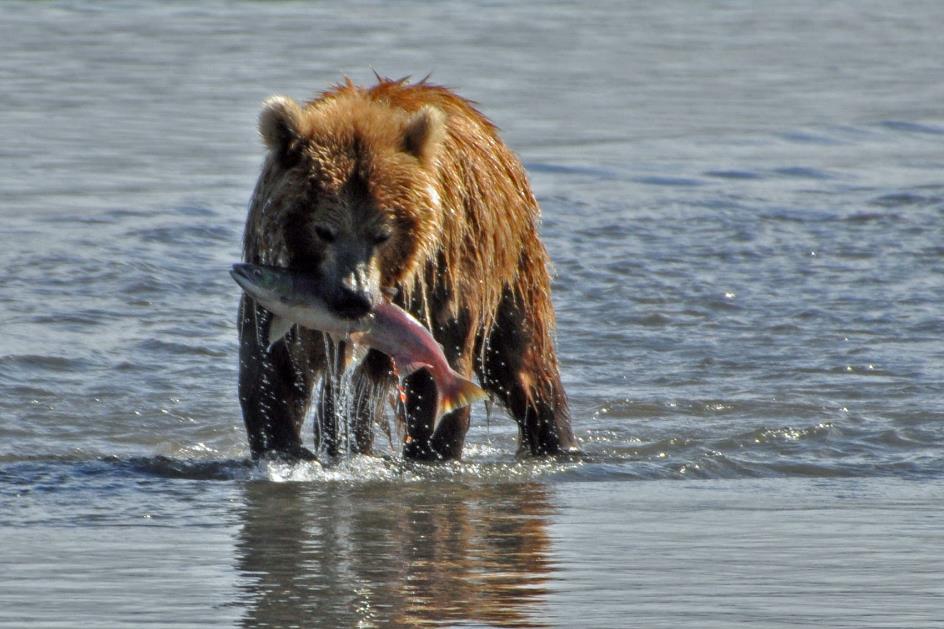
column 382, row 235
column 325, row 233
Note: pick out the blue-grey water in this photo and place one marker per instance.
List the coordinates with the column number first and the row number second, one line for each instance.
column 744, row 203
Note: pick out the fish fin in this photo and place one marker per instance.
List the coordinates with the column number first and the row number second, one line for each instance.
column 457, row 393
column 278, row 327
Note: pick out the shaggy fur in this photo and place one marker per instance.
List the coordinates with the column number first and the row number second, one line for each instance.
column 463, row 255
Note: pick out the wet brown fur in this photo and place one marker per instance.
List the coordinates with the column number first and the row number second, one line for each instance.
column 465, row 254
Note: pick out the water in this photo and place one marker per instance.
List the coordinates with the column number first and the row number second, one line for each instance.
column 745, row 210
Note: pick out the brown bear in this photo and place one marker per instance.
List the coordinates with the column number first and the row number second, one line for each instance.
column 400, row 191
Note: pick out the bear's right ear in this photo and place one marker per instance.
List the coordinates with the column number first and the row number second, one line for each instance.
column 424, row 133
column 280, row 124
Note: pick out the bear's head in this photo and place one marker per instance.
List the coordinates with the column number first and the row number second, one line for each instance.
column 353, row 183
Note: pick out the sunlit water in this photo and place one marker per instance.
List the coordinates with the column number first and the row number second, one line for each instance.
column 745, row 208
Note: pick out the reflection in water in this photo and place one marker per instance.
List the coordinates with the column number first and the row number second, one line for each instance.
column 382, row 554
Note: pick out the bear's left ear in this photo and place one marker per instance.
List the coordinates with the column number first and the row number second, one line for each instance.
column 424, row 133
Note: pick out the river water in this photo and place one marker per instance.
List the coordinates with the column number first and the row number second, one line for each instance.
column 745, row 208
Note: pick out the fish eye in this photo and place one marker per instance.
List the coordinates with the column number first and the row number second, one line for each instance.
column 325, row 233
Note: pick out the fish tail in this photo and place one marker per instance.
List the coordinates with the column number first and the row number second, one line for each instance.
column 458, row 392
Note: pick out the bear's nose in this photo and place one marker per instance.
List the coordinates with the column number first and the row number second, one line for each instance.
column 353, row 304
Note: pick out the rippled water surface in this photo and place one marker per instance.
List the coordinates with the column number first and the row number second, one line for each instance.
column 745, row 208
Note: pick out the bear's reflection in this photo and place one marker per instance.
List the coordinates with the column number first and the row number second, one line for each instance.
column 394, row 554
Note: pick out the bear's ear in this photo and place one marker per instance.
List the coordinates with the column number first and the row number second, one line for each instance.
column 423, row 134
column 280, row 124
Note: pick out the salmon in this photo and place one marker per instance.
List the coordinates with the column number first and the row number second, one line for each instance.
column 295, row 298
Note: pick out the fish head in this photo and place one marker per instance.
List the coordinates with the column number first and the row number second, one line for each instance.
column 266, row 285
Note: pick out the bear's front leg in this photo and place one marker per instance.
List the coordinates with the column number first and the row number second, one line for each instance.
column 420, row 409
column 274, row 390
column 347, row 411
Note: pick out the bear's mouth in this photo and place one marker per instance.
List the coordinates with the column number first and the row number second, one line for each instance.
column 352, row 305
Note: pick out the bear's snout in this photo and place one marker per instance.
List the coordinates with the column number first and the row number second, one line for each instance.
column 352, row 304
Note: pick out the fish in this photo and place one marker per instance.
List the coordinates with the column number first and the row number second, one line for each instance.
column 297, row 298
column 292, row 298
